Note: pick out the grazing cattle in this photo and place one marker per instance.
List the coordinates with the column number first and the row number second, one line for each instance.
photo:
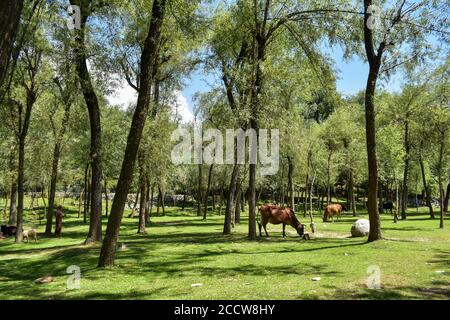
column 30, row 234
column 332, row 210
column 8, row 230
column 275, row 215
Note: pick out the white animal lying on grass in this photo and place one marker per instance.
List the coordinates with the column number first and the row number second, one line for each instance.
column 30, row 233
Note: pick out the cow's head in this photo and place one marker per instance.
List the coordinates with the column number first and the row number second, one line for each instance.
column 301, row 229
column 325, row 217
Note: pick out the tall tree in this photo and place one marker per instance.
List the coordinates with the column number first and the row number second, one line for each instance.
column 32, row 58
column 402, row 25
column 87, row 7
column 147, row 71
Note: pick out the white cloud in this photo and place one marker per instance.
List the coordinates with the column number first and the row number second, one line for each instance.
column 123, row 96
column 181, row 107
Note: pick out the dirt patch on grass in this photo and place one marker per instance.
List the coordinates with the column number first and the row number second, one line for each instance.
column 330, row 234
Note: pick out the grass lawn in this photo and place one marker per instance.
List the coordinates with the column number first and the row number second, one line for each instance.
column 180, row 250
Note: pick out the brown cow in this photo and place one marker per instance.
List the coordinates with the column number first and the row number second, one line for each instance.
column 276, row 215
column 332, row 210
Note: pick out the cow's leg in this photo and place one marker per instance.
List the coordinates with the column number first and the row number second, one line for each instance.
column 284, row 230
column 259, row 226
column 265, row 230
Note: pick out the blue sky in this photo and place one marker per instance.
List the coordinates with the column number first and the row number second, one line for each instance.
column 352, row 77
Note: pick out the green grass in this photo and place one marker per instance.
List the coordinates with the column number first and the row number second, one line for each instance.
column 180, row 250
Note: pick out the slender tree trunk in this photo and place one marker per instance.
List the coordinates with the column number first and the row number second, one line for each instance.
column 374, row 63
column 305, row 203
column 86, row 193
column 237, row 206
column 80, row 199
column 230, row 199
column 447, row 198
column 162, row 201
column 151, row 200
column 352, row 194
column 396, row 202
column 291, row 183
column 199, row 190
column 5, row 208
column 51, row 195
column 441, row 186
column 91, row 100
column 311, row 190
column 12, row 206
column 10, row 12
column 205, row 208
column 20, row 189
column 43, row 201
column 406, row 169
column 106, row 196
column 329, row 178
column 147, row 200
column 147, row 69
column 426, row 188
column 142, row 187
column 158, row 202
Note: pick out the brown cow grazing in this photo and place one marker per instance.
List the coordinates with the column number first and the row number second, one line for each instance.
column 332, row 210
column 275, row 215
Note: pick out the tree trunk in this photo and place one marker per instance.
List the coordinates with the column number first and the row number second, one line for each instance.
column 51, row 195
column 291, row 183
column 143, row 191
column 162, row 201
column 12, row 206
column 147, row 200
column 352, row 194
column 396, row 201
column 406, row 169
column 10, row 12
column 205, row 208
column 329, row 178
column 158, row 202
column 374, row 67
column 447, row 198
column 237, row 206
column 151, row 200
column 199, row 190
column 305, row 203
column 20, row 189
column 441, row 186
column 252, row 203
column 147, row 69
column 5, row 207
column 230, row 199
column 91, row 100
column 426, row 188
column 86, row 193
column 80, row 199
column 106, row 196
column 311, row 190
column 43, row 201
